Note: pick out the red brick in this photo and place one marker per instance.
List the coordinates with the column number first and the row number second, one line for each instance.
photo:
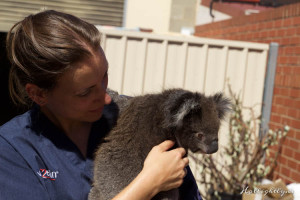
column 284, row 70
column 273, row 33
column 287, row 151
column 298, row 114
column 296, row 21
column 292, row 164
column 256, row 34
column 295, row 124
column 280, row 33
column 297, row 157
column 286, row 121
column 292, row 113
column 284, row 91
column 297, row 104
column 291, row 50
column 278, row 100
column 295, row 176
column 278, row 23
column 282, row 110
column 279, row 70
column 293, row 40
column 297, row 135
column 282, row 160
column 262, row 26
column 288, row 102
column 291, row 134
column 287, row 142
column 285, row 171
column 290, row 32
column 275, row 118
column 294, row 60
column 284, row 41
column 296, row 70
column 294, row 144
column 269, row 40
column 287, row 82
column 297, row 50
column 287, row 22
column 264, row 34
column 283, row 59
column 295, row 81
column 279, row 79
column 274, row 125
column 287, row 70
column 298, row 31
column 276, row 91
column 295, row 93
column 270, row 24
column 281, row 50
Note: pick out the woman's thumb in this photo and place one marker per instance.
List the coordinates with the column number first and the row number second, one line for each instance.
column 164, row 146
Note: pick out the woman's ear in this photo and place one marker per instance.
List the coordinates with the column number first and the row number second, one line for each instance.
column 36, row 94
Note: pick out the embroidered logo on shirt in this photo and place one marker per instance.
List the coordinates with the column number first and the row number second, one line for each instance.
column 44, row 173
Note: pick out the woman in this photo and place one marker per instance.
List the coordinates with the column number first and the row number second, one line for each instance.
column 59, row 68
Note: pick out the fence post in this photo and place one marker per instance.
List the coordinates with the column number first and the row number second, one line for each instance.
column 269, row 87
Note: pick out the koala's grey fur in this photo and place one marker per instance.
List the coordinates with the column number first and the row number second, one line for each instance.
column 190, row 119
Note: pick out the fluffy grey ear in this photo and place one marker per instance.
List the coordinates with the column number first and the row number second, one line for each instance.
column 178, row 104
column 223, row 105
column 184, row 109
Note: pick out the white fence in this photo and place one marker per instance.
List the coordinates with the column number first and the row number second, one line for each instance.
column 145, row 62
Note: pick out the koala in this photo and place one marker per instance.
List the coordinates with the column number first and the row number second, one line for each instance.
column 190, row 119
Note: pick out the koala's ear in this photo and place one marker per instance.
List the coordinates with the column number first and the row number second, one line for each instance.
column 223, row 105
column 178, row 105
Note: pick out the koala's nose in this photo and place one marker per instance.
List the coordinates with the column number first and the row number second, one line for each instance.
column 213, row 147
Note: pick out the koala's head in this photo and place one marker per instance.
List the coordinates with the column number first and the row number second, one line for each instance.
column 196, row 119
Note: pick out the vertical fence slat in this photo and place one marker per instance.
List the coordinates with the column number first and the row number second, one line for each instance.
column 115, row 50
column 215, row 69
column 122, row 71
column 165, row 46
column 255, row 80
column 135, row 59
column 145, row 50
column 185, row 52
column 196, row 67
column 175, row 65
column 155, row 66
column 103, row 41
column 236, row 70
column 225, row 66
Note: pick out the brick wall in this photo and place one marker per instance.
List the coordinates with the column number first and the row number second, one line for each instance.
column 281, row 25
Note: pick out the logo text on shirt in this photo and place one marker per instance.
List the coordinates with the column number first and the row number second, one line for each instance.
column 44, row 173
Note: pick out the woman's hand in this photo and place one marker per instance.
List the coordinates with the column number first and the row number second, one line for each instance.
column 163, row 170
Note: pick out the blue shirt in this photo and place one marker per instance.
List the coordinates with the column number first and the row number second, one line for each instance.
column 39, row 162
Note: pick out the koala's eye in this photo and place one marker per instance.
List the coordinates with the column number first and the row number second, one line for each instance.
column 199, row 135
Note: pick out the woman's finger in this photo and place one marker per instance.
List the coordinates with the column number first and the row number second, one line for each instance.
column 186, row 161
